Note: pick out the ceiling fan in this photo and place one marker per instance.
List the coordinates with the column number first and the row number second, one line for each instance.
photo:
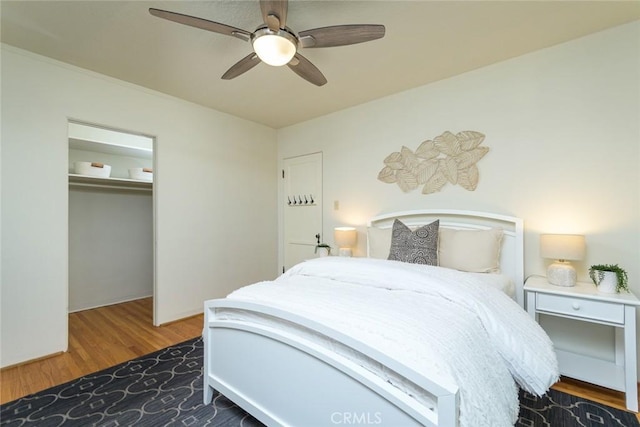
column 276, row 44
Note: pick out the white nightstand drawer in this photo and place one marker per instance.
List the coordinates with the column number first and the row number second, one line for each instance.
column 578, row 307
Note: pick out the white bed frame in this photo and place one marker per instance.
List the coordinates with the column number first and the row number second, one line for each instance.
column 284, row 379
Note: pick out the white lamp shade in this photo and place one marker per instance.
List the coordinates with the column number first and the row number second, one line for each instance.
column 274, row 50
column 345, row 238
column 565, row 247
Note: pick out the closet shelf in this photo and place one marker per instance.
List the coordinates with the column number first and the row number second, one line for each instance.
column 111, row 148
column 76, row 180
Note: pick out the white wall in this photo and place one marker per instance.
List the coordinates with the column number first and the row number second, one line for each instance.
column 215, row 191
column 563, row 127
column 110, row 246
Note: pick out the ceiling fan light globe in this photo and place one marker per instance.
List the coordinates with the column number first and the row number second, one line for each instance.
column 274, row 49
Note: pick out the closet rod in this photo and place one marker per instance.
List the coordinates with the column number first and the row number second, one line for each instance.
column 113, row 187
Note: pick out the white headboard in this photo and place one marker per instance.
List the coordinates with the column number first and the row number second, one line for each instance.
column 511, row 254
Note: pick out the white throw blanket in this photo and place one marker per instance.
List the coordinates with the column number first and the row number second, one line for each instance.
column 444, row 324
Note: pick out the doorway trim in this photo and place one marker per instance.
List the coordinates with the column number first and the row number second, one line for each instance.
column 154, row 202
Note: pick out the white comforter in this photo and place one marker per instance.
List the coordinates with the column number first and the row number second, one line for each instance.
column 444, row 324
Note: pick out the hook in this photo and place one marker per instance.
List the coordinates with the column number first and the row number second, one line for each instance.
column 289, row 199
column 305, row 199
column 311, row 197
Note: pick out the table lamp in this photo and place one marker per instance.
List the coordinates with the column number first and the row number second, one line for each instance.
column 345, row 238
column 562, row 248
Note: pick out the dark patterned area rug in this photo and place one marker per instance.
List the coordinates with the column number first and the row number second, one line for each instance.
column 160, row 389
column 165, row 389
column 564, row 410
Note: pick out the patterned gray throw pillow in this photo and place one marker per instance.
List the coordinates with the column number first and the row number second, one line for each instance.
column 417, row 247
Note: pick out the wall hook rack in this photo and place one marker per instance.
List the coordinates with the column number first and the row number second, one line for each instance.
column 301, row 200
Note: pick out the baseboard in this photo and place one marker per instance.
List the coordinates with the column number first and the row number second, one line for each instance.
column 106, row 304
column 180, row 320
column 37, row 359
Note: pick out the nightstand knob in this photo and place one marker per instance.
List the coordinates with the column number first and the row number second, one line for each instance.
column 575, row 306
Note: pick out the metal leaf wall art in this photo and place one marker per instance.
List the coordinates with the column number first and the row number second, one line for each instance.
column 446, row 158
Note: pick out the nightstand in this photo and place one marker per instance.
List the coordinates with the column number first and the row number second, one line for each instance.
column 583, row 302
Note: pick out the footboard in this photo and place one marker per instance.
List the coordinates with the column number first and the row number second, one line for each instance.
column 287, row 379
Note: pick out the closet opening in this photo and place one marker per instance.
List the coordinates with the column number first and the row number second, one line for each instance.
column 111, row 217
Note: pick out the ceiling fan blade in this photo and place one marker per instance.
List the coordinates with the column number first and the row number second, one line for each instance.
column 203, row 24
column 274, row 13
column 305, row 69
column 340, row 35
column 242, row 66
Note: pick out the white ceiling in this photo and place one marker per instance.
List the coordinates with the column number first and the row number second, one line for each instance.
column 425, row 41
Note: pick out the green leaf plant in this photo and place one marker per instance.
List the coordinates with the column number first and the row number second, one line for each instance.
column 596, row 273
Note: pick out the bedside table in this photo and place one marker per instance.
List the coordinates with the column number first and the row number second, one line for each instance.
column 583, row 302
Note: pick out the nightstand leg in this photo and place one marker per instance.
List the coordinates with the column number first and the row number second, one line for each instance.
column 619, row 346
column 531, row 305
column 630, row 359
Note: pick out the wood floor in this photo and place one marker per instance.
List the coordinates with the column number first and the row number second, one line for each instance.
column 103, row 337
column 98, row 339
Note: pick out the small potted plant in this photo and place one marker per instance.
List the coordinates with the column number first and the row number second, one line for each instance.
column 322, row 249
column 609, row 278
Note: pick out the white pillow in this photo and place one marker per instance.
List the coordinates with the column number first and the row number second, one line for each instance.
column 379, row 242
column 476, row 251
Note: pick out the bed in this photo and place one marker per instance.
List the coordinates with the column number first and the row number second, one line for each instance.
column 364, row 341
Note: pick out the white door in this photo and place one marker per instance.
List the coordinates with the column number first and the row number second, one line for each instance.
column 302, row 226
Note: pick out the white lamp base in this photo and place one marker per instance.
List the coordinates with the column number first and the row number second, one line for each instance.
column 561, row 274
column 344, row 252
